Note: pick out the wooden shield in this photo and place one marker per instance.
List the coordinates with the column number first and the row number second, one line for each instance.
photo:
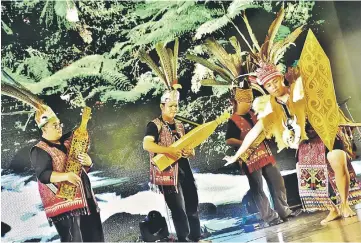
column 321, row 104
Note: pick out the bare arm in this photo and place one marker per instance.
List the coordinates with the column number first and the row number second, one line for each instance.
column 57, row 176
column 234, row 142
column 247, row 142
column 250, row 138
column 150, row 146
column 65, row 176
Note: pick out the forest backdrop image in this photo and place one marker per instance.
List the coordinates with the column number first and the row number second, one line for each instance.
column 77, row 53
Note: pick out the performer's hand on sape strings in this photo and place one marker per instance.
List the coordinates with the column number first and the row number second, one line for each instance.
column 84, row 159
column 174, row 152
column 73, row 178
column 188, row 152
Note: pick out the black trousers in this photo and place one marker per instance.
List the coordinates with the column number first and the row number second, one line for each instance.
column 184, row 208
column 84, row 228
column 277, row 189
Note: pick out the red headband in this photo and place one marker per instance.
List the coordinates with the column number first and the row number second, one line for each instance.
column 266, row 72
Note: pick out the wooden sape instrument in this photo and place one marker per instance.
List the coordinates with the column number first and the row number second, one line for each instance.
column 80, row 140
column 79, row 144
column 191, row 140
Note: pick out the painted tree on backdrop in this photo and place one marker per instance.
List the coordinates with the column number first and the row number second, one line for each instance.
column 91, row 46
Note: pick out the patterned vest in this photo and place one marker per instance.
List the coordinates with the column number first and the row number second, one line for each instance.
column 53, row 205
column 262, row 155
column 168, row 177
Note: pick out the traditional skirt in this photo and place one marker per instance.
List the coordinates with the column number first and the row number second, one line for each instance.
column 315, row 175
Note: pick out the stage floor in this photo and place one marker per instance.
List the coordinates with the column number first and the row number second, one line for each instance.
column 305, row 228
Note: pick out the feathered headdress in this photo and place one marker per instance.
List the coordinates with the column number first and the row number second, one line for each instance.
column 14, row 89
column 232, row 68
column 167, row 72
column 267, row 56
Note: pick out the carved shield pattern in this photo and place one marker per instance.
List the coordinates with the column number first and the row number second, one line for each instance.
column 321, row 104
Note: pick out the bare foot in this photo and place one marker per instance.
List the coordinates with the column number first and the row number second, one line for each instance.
column 334, row 214
column 346, row 211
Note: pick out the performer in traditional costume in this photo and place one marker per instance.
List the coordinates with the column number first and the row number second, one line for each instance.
column 76, row 220
column 234, row 69
column 260, row 161
column 176, row 183
column 305, row 116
